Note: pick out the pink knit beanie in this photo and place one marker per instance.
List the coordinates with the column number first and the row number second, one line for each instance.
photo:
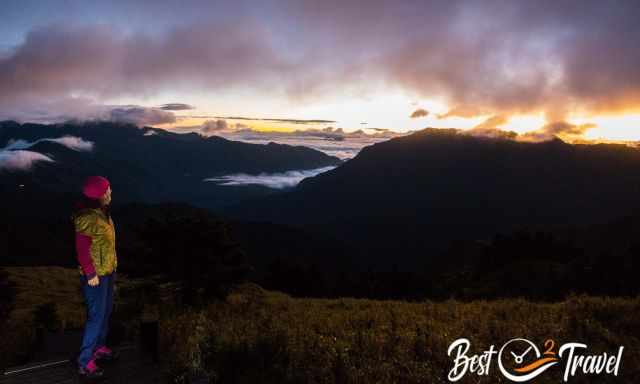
column 95, row 187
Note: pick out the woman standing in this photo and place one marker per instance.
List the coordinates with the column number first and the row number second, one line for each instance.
column 96, row 254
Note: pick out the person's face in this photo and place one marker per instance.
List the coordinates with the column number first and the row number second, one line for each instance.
column 106, row 199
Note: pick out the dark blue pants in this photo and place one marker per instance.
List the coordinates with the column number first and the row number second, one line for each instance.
column 99, row 302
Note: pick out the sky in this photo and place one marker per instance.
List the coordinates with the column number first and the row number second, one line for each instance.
column 344, row 72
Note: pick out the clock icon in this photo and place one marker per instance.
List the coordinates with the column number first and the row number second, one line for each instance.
column 520, row 360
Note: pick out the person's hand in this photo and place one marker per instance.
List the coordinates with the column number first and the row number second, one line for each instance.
column 95, row 281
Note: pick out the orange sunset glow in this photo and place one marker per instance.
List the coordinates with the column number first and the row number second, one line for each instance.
column 512, row 67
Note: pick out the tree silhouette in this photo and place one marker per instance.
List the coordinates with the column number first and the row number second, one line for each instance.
column 196, row 250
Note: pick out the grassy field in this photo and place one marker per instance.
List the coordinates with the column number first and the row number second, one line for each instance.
column 259, row 336
column 268, row 337
column 50, row 297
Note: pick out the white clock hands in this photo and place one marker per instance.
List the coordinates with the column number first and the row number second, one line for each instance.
column 520, row 359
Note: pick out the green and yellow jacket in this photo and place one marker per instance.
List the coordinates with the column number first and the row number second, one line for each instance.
column 95, row 241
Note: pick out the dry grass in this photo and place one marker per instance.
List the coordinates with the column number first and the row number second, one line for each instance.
column 262, row 336
column 259, row 336
column 60, row 287
column 39, row 285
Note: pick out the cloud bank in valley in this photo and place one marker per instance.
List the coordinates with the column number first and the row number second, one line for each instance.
column 272, row 180
column 16, row 156
column 20, row 159
column 71, row 142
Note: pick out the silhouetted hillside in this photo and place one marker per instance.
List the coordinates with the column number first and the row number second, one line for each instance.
column 177, row 240
column 405, row 200
column 186, row 243
column 601, row 259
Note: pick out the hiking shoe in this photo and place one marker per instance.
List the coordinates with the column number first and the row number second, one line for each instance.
column 105, row 354
column 91, row 370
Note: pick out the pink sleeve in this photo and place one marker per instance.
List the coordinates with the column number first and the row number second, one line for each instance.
column 83, row 248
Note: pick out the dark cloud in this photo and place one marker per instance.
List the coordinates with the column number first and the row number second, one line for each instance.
column 419, row 113
column 51, row 110
column 98, row 61
column 516, row 57
column 141, row 116
column 176, row 107
column 214, row 125
column 494, row 57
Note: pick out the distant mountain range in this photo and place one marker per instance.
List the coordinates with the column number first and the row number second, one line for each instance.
column 406, row 199
column 143, row 164
column 437, row 213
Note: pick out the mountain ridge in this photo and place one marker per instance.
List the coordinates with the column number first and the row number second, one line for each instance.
column 163, row 166
column 414, row 194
